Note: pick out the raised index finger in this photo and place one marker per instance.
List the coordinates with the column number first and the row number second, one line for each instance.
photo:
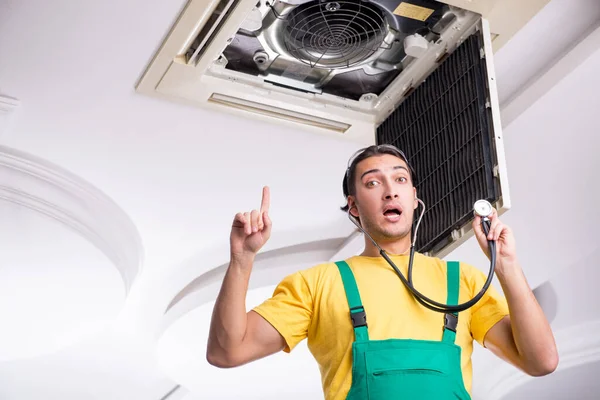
column 266, row 200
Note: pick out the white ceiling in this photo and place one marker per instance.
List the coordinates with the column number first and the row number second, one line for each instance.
column 543, row 41
column 170, row 169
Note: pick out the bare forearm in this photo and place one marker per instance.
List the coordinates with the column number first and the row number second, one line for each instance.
column 236, row 336
column 228, row 325
column 531, row 331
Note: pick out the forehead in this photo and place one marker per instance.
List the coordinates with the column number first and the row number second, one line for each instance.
column 383, row 162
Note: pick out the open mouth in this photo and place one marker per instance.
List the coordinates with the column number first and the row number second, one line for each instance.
column 392, row 214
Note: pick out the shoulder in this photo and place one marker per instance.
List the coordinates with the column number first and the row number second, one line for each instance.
column 317, row 273
column 310, row 277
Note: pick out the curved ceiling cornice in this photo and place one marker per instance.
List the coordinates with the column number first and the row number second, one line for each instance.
column 269, row 268
column 48, row 189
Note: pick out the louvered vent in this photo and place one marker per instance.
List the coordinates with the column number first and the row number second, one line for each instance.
column 444, row 127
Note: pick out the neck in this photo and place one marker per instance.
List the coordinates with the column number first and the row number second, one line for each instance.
column 398, row 246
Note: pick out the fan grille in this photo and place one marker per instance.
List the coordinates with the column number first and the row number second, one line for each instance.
column 334, row 34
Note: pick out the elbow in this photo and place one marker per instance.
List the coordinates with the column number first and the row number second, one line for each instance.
column 542, row 370
column 545, row 367
column 220, row 359
column 549, row 367
column 212, row 359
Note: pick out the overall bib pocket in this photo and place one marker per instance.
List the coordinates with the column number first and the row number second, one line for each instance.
column 413, row 384
column 411, row 369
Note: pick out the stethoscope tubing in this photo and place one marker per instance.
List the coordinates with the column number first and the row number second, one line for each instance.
column 421, row 298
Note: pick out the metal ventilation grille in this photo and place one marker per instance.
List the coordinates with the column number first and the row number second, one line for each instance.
column 335, row 34
column 444, row 129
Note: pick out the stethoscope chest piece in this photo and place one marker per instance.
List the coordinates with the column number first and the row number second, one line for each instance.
column 483, row 208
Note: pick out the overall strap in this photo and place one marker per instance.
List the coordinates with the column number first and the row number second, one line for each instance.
column 453, row 283
column 357, row 311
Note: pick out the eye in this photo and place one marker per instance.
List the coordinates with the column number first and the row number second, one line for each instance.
column 371, row 183
column 402, row 179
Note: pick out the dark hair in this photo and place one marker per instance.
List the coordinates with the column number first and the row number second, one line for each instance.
column 349, row 184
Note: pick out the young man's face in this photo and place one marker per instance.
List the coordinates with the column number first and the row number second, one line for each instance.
column 385, row 197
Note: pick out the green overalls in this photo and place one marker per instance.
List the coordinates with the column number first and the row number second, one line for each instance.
column 404, row 368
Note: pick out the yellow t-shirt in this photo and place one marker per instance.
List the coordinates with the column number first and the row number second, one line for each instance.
column 312, row 304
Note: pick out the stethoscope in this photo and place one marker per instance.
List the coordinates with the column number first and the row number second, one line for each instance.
column 483, row 209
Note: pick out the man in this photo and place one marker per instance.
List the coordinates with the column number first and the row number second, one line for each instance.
column 402, row 349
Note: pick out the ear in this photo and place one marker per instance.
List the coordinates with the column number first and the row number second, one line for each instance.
column 352, row 206
column 415, row 202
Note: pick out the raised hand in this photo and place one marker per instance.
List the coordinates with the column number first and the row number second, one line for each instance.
column 502, row 234
column 251, row 230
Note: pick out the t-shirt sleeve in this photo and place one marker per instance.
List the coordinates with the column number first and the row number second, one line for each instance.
column 289, row 310
column 489, row 310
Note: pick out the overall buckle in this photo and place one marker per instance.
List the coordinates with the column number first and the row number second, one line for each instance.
column 451, row 322
column 359, row 318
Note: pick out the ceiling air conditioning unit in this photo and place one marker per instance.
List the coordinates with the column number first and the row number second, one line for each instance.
column 339, row 67
column 418, row 74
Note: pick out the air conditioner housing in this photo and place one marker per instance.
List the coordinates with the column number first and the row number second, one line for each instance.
column 244, row 56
